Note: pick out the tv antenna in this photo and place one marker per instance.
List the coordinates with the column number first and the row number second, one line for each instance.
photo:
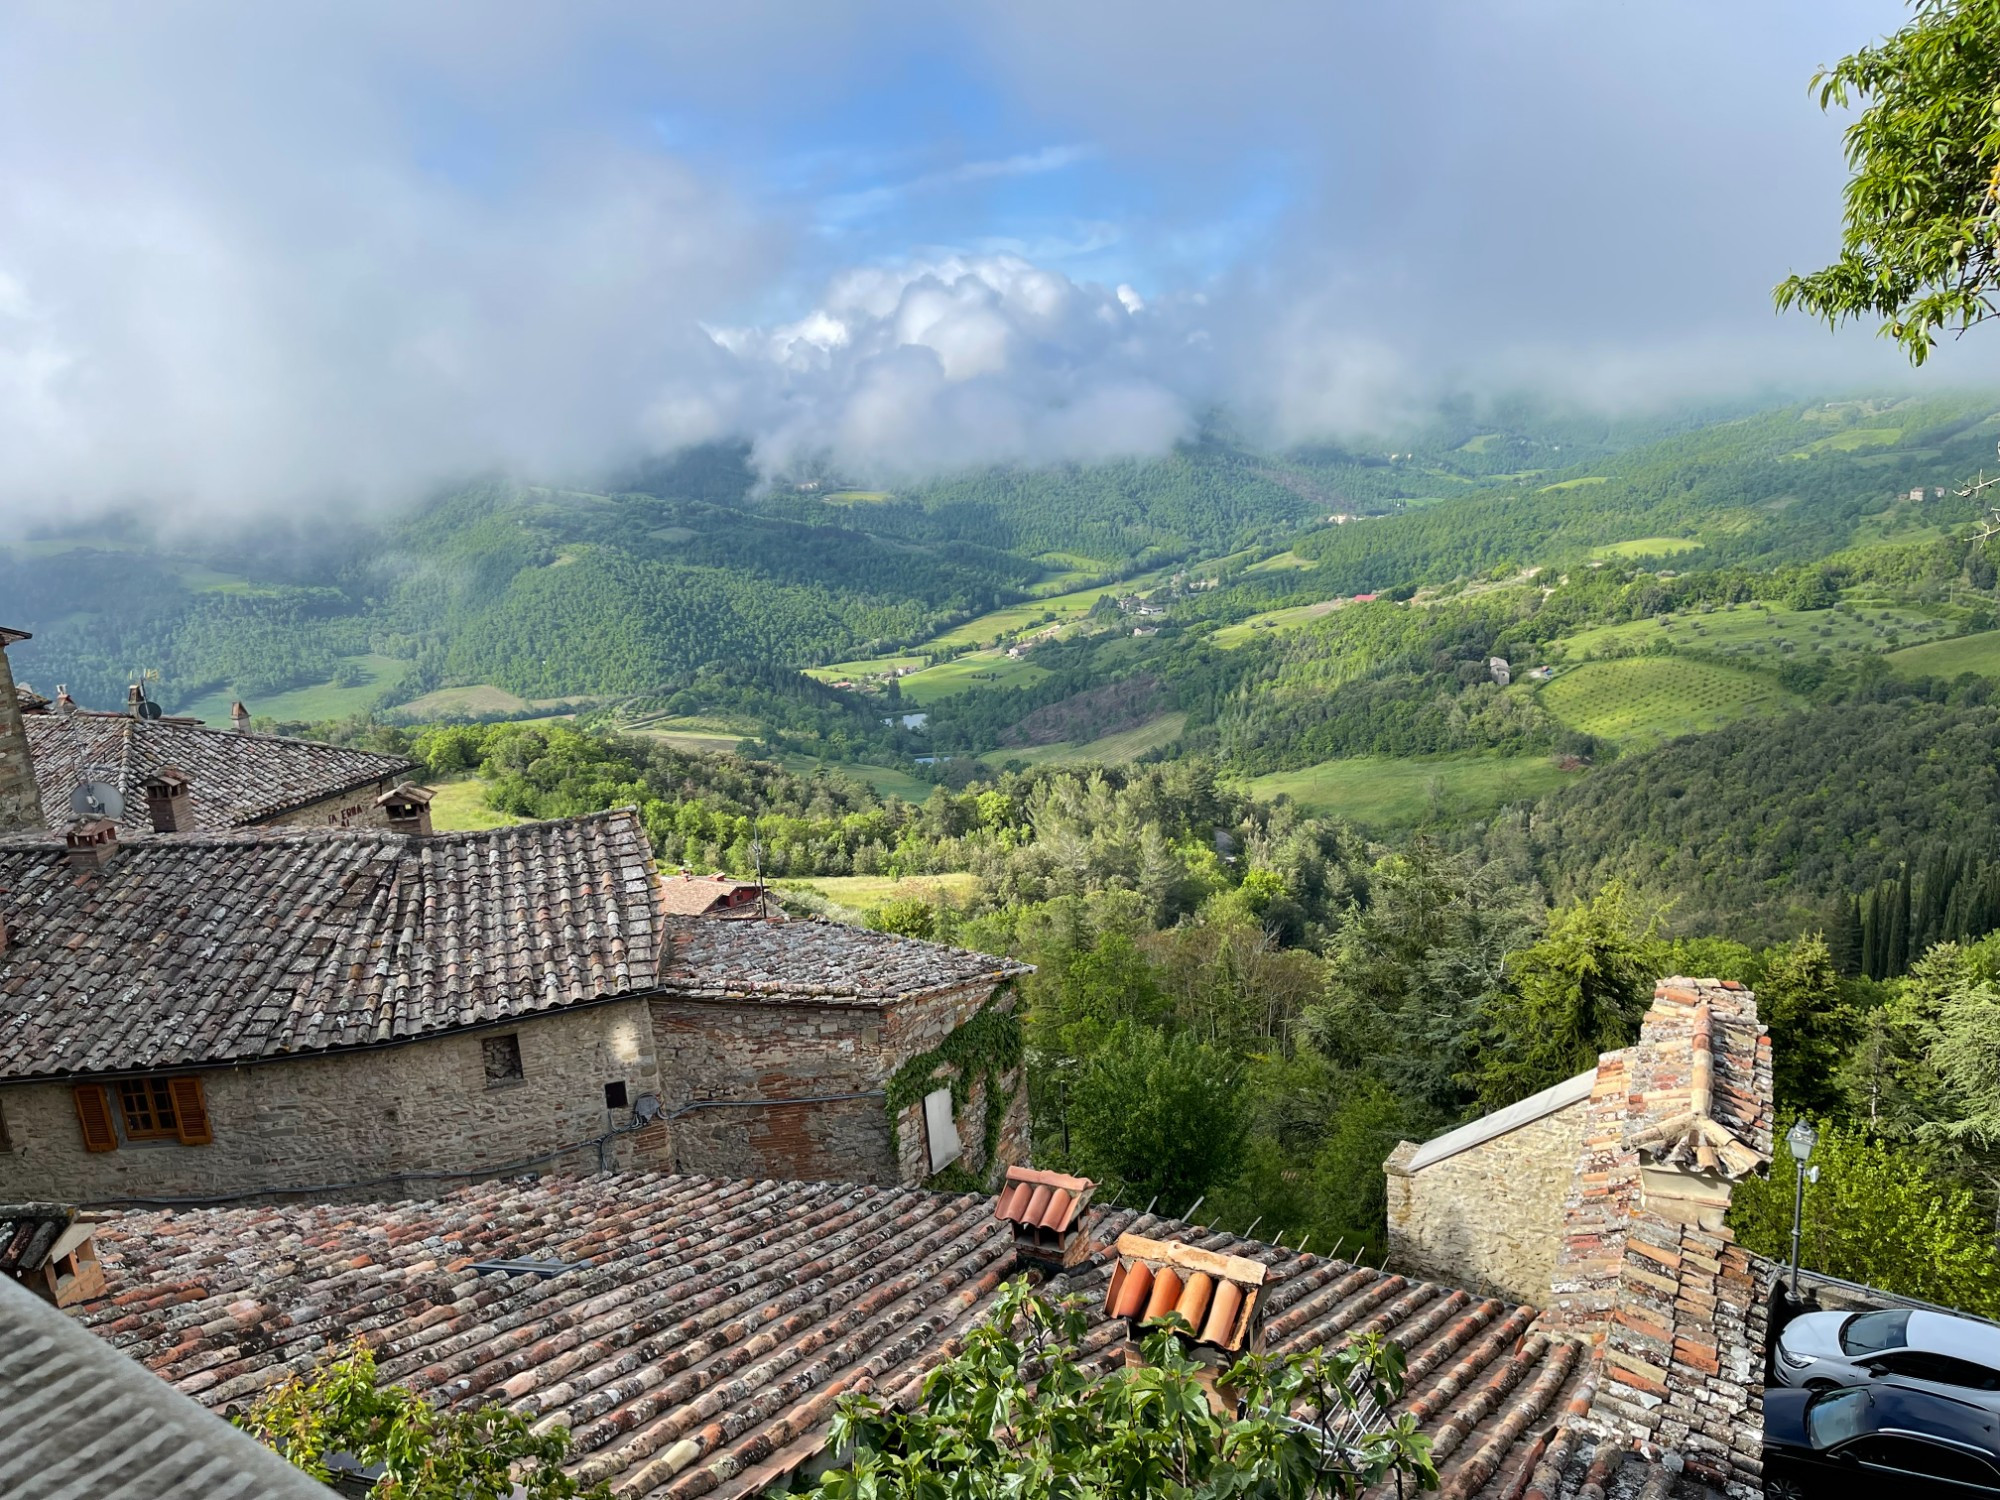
column 97, row 795
column 143, row 706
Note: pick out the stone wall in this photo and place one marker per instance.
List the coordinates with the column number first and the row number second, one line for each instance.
column 350, row 809
column 724, row 1064
column 1489, row 1218
column 391, row 1113
column 20, row 803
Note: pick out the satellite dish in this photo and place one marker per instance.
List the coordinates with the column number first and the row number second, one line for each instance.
column 148, row 709
column 97, row 799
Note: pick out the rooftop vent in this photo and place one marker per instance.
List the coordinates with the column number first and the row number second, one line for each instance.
column 1046, row 1212
column 1217, row 1296
column 168, row 801
column 52, row 1252
column 92, row 845
column 408, row 807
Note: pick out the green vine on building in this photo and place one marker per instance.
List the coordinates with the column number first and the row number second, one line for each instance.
column 986, row 1048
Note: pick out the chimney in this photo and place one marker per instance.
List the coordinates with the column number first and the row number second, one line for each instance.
column 408, row 807
column 65, row 705
column 92, row 845
column 1046, row 1212
column 135, row 698
column 239, row 717
column 169, row 802
column 20, row 803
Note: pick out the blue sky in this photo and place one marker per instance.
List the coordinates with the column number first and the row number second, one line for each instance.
column 313, row 253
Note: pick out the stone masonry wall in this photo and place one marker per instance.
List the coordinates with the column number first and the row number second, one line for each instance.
column 389, row 1112
column 719, row 1060
column 1488, row 1219
column 351, row 809
column 20, row 803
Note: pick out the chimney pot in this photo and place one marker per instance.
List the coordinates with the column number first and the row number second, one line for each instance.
column 92, row 845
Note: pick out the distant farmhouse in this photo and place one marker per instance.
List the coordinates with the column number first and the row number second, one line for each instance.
column 346, row 1010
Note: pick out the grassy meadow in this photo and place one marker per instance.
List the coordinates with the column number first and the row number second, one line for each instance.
column 1641, row 700
column 1377, row 791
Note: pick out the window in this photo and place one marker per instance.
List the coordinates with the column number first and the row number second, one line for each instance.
column 1872, row 1332
column 1837, row 1416
column 503, row 1059
column 614, row 1095
column 1942, row 1369
column 1915, row 1456
column 149, row 1109
column 941, row 1129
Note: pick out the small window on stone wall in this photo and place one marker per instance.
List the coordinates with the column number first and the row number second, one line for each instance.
column 614, row 1095
column 6, row 1141
column 503, row 1059
column 941, row 1129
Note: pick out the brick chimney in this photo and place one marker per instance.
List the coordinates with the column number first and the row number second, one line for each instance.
column 20, row 803
column 169, row 801
column 408, row 808
column 92, row 845
column 239, row 717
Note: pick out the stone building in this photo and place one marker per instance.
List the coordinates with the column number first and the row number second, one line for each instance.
column 800, row 1049
column 341, row 1011
column 1603, row 1199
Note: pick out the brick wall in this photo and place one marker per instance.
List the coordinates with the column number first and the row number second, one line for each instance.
column 1489, row 1218
column 381, row 1112
column 716, row 1054
column 351, row 809
column 20, row 804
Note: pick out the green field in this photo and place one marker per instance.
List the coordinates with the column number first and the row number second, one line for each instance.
column 478, row 699
column 982, row 669
column 1381, row 792
column 873, row 666
column 460, row 806
column 1284, row 562
column 308, row 703
column 694, row 732
column 888, row 781
column 858, row 497
column 1766, row 635
column 1577, row 484
column 1647, row 546
column 1639, row 700
column 1244, row 631
column 859, row 892
column 1109, row 750
column 1968, row 653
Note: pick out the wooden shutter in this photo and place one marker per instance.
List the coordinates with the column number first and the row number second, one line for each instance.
column 95, row 1115
column 190, row 1113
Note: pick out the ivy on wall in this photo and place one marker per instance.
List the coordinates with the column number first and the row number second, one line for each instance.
column 987, row 1047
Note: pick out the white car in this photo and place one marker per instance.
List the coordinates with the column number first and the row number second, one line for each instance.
column 1928, row 1351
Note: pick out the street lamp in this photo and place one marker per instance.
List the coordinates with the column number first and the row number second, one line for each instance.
column 1800, row 1140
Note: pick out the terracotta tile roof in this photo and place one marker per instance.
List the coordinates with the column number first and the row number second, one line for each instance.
column 238, row 779
column 219, row 948
column 822, row 962
column 691, row 895
column 699, row 1343
column 83, row 1421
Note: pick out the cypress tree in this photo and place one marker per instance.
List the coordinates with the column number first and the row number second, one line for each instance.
column 1845, row 940
column 1896, row 958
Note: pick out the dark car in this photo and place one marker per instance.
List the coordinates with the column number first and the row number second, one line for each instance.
column 1877, row 1440
column 1931, row 1351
